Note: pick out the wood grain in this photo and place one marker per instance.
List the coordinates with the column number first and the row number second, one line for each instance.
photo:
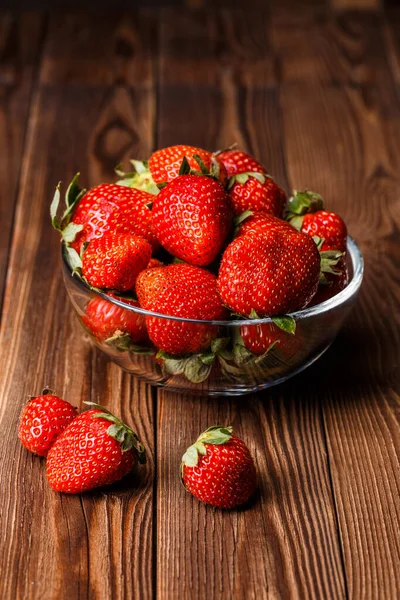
column 351, row 164
column 96, row 88
column 98, row 545
column 20, row 45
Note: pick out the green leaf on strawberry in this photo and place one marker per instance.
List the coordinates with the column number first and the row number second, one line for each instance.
column 302, row 203
column 286, row 323
column 213, row 435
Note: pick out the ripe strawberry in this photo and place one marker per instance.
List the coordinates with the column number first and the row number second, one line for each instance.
column 328, row 226
column 333, row 285
column 110, row 208
column 236, row 161
column 115, row 260
column 269, row 273
column 96, row 449
column 305, row 212
column 42, row 420
column 180, row 290
column 191, row 217
column 218, row 469
column 154, row 262
column 106, row 320
column 165, row 164
column 250, row 222
column 255, row 191
column 259, row 338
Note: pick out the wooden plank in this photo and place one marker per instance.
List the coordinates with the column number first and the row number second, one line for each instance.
column 349, row 160
column 347, row 49
column 286, row 543
column 20, row 40
column 98, row 544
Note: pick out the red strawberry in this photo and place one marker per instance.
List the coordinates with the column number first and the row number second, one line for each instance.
column 96, row 449
column 269, row 273
column 112, row 208
column 106, row 320
column 306, row 214
column 236, row 161
column 218, row 469
column 154, row 262
column 191, row 217
column 333, row 285
column 180, row 290
column 42, row 420
column 165, row 164
column 328, row 226
column 115, row 260
column 259, row 338
column 250, row 222
column 256, row 192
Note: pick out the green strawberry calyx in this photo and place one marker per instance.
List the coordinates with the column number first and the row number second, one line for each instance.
column 215, row 435
column 63, row 225
column 120, row 432
column 242, row 178
column 329, row 260
column 140, row 178
column 213, row 172
column 302, row 203
column 123, row 343
column 196, row 367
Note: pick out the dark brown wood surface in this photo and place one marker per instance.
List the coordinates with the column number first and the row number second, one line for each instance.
column 311, row 88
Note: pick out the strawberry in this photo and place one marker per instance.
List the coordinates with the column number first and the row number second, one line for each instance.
column 256, row 191
column 260, row 338
column 328, row 226
column 165, row 164
column 180, row 290
column 218, row 469
column 105, row 208
column 115, row 260
column 96, row 449
column 256, row 221
column 333, row 284
column 236, row 162
column 191, row 217
column 42, row 420
column 250, row 188
column 305, row 212
column 106, row 320
column 269, row 273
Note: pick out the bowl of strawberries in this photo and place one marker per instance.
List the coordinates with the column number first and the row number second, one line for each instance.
column 195, row 272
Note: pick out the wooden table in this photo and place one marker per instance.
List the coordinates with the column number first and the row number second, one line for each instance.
column 311, row 90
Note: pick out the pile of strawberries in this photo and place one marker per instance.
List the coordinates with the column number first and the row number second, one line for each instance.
column 95, row 448
column 200, row 236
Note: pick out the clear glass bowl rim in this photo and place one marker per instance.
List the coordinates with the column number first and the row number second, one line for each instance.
column 341, row 298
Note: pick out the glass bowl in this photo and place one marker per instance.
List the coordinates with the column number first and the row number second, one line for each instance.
column 245, row 355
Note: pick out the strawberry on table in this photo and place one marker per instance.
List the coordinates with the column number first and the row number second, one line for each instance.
column 103, row 209
column 191, row 218
column 269, row 273
column 218, row 469
column 42, row 420
column 115, row 260
column 96, row 449
column 106, row 320
column 180, row 290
